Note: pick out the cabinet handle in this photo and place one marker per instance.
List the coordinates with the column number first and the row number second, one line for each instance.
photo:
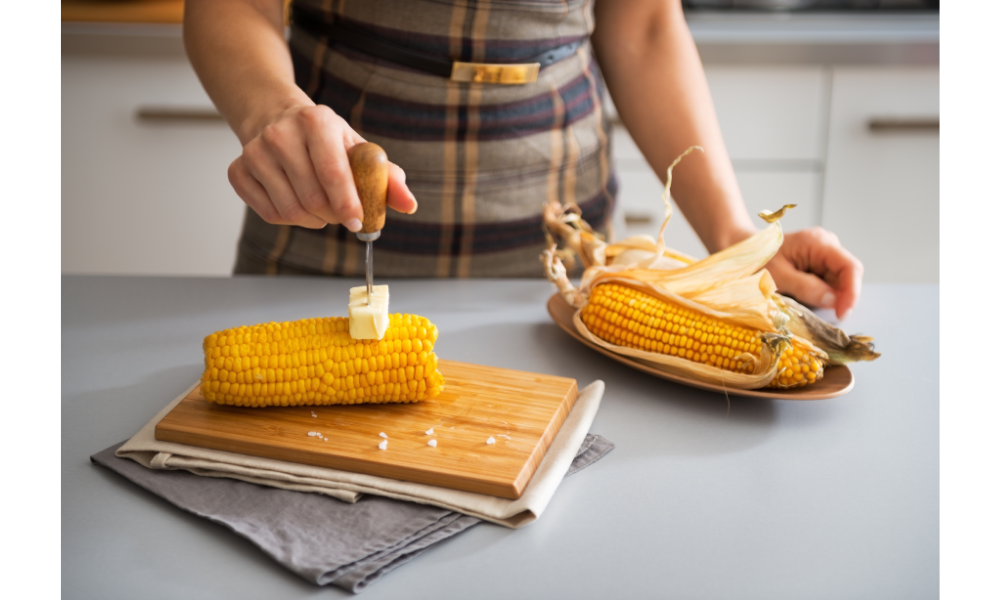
column 917, row 124
column 637, row 219
column 176, row 113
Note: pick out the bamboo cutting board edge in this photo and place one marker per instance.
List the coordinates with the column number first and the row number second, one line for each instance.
column 461, row 462
column 361, row 466
column 531, row 465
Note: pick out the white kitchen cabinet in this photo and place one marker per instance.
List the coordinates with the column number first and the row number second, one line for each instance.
column 640, row 196
column 773, row 120
column 775, row 114
column 771, row 191
column 856, row 148
column 761, row 190
column 143, row 196
column 882, row 174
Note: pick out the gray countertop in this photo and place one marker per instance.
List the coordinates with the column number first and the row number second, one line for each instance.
column 757, row 499
column 834, row 38
column 863, row 27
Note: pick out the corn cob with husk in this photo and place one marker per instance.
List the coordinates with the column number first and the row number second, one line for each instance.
column 719, row 320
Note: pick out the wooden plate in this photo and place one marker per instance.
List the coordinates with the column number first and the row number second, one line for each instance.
column 836, row 381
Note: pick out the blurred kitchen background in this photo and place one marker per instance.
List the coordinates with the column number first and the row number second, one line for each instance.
column 828, row 104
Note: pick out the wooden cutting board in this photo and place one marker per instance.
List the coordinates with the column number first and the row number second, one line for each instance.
column 521, row 411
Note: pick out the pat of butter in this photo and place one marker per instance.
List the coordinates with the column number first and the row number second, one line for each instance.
column 369, row 320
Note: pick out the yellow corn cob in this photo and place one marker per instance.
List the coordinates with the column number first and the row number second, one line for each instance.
column 797, row 366
column 627, row 317
column 316, row 362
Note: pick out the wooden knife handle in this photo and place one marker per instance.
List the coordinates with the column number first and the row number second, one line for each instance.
column 370, row 168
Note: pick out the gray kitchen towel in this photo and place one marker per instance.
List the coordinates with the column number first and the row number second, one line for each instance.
column 145, row 449
column 322, row 539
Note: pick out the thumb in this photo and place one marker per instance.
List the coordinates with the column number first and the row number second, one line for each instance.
column 805, row 287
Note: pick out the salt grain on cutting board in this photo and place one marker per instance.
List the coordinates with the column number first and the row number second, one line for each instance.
column 433, row 443
column 383, row 444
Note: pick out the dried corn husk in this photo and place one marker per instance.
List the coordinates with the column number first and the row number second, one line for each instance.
column 841, row 348
column 580, row 239
column 731, row 285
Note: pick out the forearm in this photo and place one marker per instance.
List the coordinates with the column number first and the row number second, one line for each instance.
column 238, row 50
column 656, row 80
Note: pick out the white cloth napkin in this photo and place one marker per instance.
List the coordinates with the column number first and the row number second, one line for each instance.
column 145, row 449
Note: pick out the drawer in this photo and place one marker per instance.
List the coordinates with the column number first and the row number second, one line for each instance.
column 776, row 114
column 640, row 190
column 639, row 196
column 144, row 196
column 771, row 191
column 765, row 113
column 882, row 174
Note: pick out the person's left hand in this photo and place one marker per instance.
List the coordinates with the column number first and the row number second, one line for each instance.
column 813, row 267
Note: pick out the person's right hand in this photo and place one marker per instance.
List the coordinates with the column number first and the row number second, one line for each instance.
column 813, row 267
column 296, row 172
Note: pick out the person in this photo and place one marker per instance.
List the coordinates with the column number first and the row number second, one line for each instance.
column 479, row 138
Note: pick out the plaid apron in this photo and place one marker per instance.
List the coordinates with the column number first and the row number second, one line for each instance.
column 481, row 159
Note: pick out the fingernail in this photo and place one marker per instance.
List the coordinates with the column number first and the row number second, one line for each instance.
column 353, row 225
column 846, row 315
column 414, row 209
column 827, row 300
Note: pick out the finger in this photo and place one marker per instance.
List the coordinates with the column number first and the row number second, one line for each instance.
column 288, row 146
column 399, row 197
column 827, row 258
column 805, row 287
column 266, row 170
column 328, row 154
column 351, row 137
column 252, row 193
column 843, row 272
